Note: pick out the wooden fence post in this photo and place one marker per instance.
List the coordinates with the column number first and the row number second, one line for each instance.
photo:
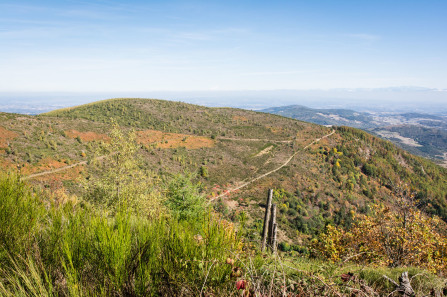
column 271, row 224
column 265, row 231
column 274, row 238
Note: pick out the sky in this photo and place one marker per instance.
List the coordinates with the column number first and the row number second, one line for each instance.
column 132, row 46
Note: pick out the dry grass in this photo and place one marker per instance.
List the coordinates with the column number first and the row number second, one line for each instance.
column 7, row 164
column 69, row 174
column 87, row 136
column 173, row 140
column 265, row 151
column 6, row 136
column 43, row 165
column 237, row 118
column 276, row 129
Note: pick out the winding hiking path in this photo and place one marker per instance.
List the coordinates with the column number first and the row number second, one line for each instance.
column 221, row 195
column 53, row 170
column 255, row 139
column 271, row 171
column 58, row 169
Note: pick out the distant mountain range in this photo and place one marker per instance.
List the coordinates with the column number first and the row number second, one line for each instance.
column 336, row 117
column 396, row 99
column 420, row 133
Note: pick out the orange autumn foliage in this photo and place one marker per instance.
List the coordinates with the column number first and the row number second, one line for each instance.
column 405, row 237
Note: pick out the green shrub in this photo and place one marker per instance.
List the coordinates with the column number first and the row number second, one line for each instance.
column 21, row 214
column 184, row 199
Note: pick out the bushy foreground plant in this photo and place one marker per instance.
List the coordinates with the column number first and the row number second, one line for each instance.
column 122, row 182
column 21, row 216
column 387, row 237
column 78, row 250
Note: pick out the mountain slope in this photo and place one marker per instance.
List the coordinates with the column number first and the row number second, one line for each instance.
column 417, row 139
column 316, row 182
column 337, row 117
column 421, row 134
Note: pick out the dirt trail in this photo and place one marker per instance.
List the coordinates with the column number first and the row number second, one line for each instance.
column 53, row 170
column 256, row 139
column 58, row 169
column 270, row 172
column 227, row 192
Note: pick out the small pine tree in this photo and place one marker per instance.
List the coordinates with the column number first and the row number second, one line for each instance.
column 184, row 198
column 203, row 171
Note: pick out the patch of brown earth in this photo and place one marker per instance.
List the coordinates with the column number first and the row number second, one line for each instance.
column 69, row 174
column 275, row 129
column 231, row 204
column 43, row 165
column 87, row 136
column 240, row 119
column 7, row 164
column 6, row 136
column 173, row 140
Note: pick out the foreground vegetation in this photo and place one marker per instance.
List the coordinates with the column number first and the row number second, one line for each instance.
column 76, row 249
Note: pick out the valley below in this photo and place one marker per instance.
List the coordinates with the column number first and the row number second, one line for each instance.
column 422, row 134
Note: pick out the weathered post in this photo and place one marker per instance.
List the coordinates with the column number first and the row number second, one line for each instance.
column 274, row 238
column 272, row 222
column 266, row 220
column 404, row 286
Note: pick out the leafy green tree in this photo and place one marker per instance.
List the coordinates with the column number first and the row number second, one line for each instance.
column 117, row 178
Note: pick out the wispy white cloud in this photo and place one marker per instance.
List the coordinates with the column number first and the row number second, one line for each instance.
column 198, row 36
column 268, row 73
column 363, row 36
column 177, row 36
column 87, row 14
column 23, row 8
column 204, row 35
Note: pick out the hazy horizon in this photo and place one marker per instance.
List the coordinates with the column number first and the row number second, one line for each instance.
column 398, row 99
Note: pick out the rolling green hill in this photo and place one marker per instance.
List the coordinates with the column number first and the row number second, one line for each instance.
column 317, row 181
column 100, row 209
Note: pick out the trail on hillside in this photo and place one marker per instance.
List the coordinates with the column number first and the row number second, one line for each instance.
column 271, row 171
column 226, row 192
column 59, row 169
column 255, row 139
column 102, row 157
column 53, row 170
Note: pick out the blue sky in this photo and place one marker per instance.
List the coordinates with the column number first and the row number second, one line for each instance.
column 96, row 46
